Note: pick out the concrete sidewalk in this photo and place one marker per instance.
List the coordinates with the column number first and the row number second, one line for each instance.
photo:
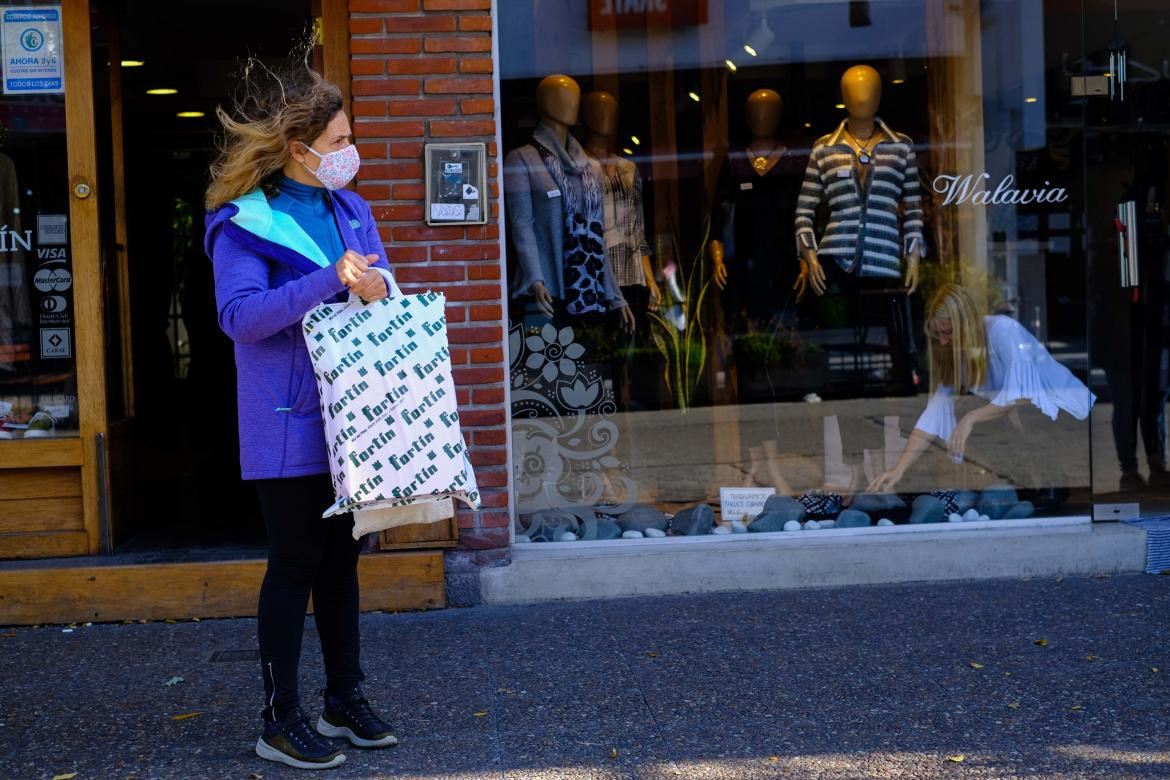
column 845, row 683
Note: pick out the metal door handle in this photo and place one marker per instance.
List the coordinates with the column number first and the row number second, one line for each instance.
column 1127, row 247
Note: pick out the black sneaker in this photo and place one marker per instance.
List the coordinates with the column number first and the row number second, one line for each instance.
column 291, row 741
column 350, row 716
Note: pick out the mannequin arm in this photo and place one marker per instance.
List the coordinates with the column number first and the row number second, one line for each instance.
column 912, row 271
column 715, row 249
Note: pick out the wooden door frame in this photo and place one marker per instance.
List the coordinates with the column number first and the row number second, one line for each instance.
column 85, row 242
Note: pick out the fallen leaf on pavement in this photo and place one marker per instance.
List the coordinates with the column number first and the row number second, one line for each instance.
column 613, row 753
column 8, row 636
column 186, row 716
column 1041, row 643
column 1090, row 658
column 69, row 776
column 1015, row 705
column 653, row 654
column 173, row 681
column 957, row 759
column 170, row 620
column 255, row 776
column 1154, row 669
column 479, row 714
column 975, row 665
column 1007, row 674
column 1060, row 579
column 774, row 759
column 1075, row 707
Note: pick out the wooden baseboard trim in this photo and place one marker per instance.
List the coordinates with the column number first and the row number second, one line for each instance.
column 392, row 582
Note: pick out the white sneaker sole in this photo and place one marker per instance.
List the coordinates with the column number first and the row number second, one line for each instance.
column 327, row 729
column 264, row 750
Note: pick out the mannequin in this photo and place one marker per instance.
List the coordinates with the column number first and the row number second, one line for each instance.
column 752, row 245
column 555, row 216
column 862, row 136
column 867, row 174
column 626, row 249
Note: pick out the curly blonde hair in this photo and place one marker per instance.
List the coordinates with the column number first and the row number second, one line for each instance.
column 272, row 109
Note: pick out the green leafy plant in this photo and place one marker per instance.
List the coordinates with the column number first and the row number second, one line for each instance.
column 685, row 350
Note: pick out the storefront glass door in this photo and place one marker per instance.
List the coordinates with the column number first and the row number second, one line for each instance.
column 52, row 399
column 1127, row 151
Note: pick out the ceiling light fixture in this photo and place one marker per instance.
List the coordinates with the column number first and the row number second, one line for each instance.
column 693, row 96
column 162, row 91
column 190, row 115
column 133, row 63
column 1031, row 100
column 730, row 66
column 628, row 151
column 840, row 105
column 750, row 50
column 636, row 140
column 899, row 81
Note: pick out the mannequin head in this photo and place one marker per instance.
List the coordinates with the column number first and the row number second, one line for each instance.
column 763, row 111
column 599, row 113
column 558, row 99
column 861, row 91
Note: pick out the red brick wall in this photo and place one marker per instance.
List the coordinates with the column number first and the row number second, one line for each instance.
column 422, row 70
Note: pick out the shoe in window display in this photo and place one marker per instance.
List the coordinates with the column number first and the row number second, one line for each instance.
column 997, row 500
column 41, row 426
column 641, row 517
column 928, row 509
column 852, row 518
column 6, row 423
column 694, row 521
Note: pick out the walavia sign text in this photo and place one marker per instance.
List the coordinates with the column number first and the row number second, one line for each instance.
column 973, row 189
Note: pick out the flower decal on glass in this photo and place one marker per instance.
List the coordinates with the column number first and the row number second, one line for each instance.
column 553, row 353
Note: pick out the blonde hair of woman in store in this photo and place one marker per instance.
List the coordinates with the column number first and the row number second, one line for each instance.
column 992, row 357
column 284, row 236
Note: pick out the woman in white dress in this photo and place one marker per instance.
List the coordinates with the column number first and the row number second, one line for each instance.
column 995, row 358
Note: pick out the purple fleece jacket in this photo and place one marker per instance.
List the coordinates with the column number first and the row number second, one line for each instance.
column 263, row 289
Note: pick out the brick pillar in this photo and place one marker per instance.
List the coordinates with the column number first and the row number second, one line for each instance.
column 422, row 70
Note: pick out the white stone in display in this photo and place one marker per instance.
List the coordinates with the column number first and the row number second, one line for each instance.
column 738, row 527
column 654, row 533
column 722, row 530
column 522, row 539
column 632, row 535
column 954, row 517
column 828, row 524
column 792, row 525
column 568, row 536
column 983, row 518
column 812, row 525
column 970, row 515
column 885, row 521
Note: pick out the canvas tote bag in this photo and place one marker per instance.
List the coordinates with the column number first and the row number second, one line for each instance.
column 383, row 370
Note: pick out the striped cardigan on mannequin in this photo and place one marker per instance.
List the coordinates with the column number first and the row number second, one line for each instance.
column 871, row 225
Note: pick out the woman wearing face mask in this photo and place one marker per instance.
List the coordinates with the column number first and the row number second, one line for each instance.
column 283, row 237
column 995, row 358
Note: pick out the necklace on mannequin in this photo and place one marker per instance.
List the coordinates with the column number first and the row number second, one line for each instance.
column 861, row 146
column 761, row 161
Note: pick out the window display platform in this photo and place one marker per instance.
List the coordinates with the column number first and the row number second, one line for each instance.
column 1032, row 547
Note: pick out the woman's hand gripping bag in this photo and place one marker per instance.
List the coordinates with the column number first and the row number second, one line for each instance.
column 383, row 371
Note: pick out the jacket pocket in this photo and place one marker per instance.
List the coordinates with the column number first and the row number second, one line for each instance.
column 305, row 400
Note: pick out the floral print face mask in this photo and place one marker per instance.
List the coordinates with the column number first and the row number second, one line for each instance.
column 336, row 169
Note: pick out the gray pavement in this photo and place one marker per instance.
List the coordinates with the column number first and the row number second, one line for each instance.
column 842, row 683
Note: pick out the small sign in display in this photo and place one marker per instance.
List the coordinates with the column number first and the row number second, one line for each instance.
column 738, row 503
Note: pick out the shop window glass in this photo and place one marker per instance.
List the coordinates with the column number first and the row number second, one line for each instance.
column 774, row 262
column 38, row 370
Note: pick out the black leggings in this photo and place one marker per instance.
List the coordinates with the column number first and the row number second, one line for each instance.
column 306, row 554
